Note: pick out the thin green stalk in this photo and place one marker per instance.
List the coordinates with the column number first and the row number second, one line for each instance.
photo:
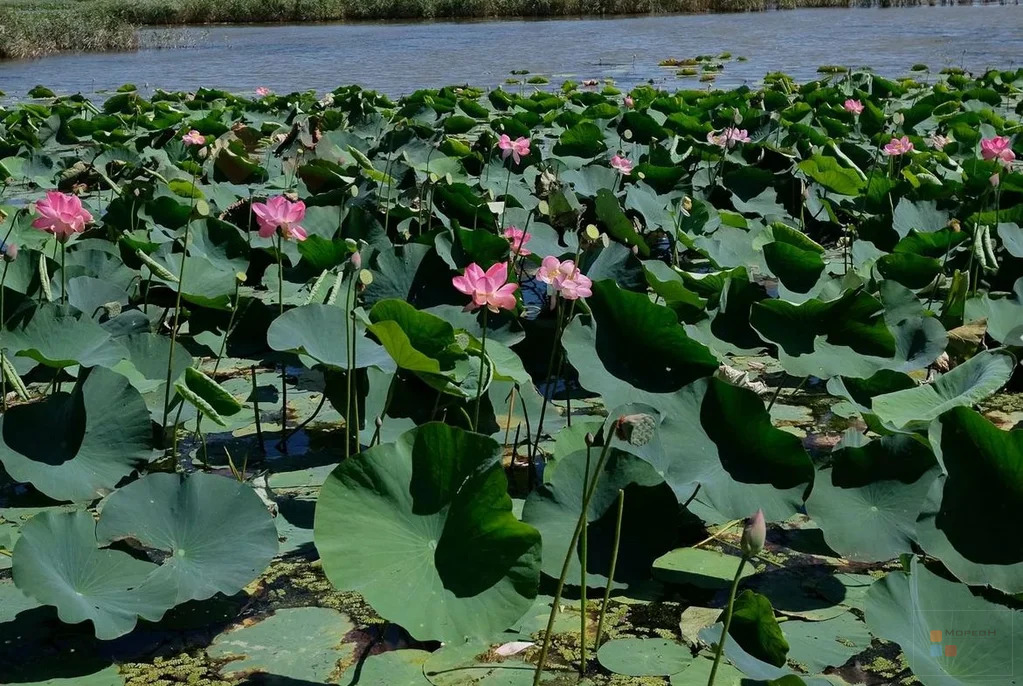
column 223, row 348
column 504, row 207
column 284, row 365
column 483, row 363
column 584, row 557
column 728, row 622
column 546, row 646
column 63, row 276
column 355, row 382
column 174, row 326
column 348, row 375
column 547, row 382
column 611, row 572
column 3, row 320
column 255, row 412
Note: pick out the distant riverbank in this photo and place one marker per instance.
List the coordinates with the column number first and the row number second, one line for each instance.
column 34, row 28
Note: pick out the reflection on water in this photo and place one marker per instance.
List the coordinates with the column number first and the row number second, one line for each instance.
column 398, row 58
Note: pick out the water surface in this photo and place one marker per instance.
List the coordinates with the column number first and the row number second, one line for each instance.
column 397, row 58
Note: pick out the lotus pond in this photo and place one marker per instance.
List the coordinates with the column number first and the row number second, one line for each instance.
column 347, row 390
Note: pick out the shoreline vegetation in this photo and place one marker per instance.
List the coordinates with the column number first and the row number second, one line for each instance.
column 35, row 28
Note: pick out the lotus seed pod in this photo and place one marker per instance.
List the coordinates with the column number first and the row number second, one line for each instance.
column 754, row 534
column 636, row 429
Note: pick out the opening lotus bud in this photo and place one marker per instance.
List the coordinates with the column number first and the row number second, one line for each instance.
column 754, row 534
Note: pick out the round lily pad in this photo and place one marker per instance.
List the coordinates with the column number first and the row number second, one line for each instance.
column 216, row 533
column 57, row 562
column 644, row 657
column 78, row 445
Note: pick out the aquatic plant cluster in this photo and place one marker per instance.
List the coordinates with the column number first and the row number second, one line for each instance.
column 543, row 352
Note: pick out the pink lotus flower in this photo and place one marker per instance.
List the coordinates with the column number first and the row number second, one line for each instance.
column 997, row 148
column 263, row 91
column 898, row 146
column 728, row 137
column 488, row 288
column 193, row 137
column 622, row 165
column 62, row 215
column 518, row 239
column 938, row 142
column 590, row 83
column 517, row 148
column 565, row 277
column 629, row 102
column 280, row 214
column 853, row 106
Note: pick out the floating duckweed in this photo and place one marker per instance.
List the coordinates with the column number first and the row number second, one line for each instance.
column 184, row 668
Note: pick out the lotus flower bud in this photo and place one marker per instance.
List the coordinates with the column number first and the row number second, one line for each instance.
column 753, row 535
column 898, row 118
column 687, row 204
column 994, row 180
column 9, row 251
column 356, row 260
column 379, row 421
column 589, row 440
column 636, row 429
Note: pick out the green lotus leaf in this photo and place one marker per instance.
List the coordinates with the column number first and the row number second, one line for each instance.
column 983, row 482
column 59, row 337
column 458, row 664
column 816, row 646
column 699, row 567
column 300, row 644
column 829, row 172
column 57, row 562
column 554, row 510
column 922, row 216
column 668, row 284
column 908, row 608
column 582, row 140
column 394, row 668
column 969, row 383
column 793, row 257
column 643, row 657
column 868, row 500
column 617, row 224
column 632, row 341
column 423, row 529
column 146, row 366
column 1004, row 315
column 852, row 335
column 172, row 513
column 755, row 628
column 78, row 445
column 321, row 332
column 417, row 341
column 721, row 437
column 913, row 271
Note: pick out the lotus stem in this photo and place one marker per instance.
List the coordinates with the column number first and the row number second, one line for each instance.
column 255, row 412
column 584, row 558
column 504, row 207
column 223, row 348
column 355, row 383
column 611, row 572
column 568, row 560
column 348, row 374
column 728, row 621
column 284, row 365
column 63, row 277
column 547, row 393
column 3, row 320
column 511, row 406
column 483, row 362
column 174, row 326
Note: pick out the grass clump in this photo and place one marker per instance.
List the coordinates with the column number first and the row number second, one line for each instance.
column 32, row 31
